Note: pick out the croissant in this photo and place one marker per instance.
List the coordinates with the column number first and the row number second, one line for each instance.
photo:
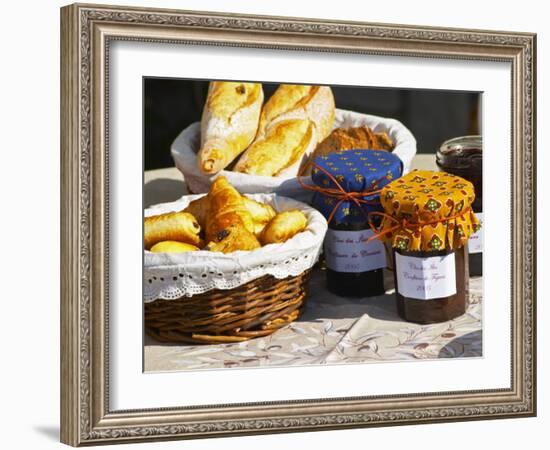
column 173, row 226
column 229, row 123
column 226, row 208
column 199, row 209
column 293, row 121
column 232, row 238
column 283, row 226
column 173, row 247
column 261, row 213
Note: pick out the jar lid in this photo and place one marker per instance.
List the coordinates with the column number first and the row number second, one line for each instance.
column 428, row 211
column 356, row 170
column 461, row 152
column 352, row 171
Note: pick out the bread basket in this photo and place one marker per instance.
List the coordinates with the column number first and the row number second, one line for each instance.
column 185, row 147
column 208, row 297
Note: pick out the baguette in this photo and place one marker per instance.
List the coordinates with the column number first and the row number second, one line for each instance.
column 283, row 145
column 296, row 101
column 229, row 123
column 293, row 121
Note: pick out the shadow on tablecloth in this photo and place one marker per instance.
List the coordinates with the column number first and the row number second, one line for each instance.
column 467, row 345
column 322, row 304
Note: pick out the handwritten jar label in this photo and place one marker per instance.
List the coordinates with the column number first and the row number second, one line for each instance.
column 348, row 251
column 425, row 278
column 475, row 242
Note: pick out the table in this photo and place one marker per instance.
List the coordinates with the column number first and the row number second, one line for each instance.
column 332, row 329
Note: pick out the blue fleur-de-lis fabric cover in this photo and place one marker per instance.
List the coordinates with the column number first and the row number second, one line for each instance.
column 355, row 171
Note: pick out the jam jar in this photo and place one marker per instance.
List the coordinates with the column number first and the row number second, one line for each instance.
column 428, row 220
column 463, row 156
column 354, row 264
column 414, row 301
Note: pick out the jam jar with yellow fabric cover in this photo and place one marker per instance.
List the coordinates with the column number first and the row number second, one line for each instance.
column 347, row 190
column 428, row 219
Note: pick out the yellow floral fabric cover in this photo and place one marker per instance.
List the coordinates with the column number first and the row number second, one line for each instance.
column 429, row 211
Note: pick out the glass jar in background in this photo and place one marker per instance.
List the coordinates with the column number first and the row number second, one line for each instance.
column 463, row 156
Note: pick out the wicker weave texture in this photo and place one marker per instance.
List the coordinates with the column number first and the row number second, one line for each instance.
column 257, row 308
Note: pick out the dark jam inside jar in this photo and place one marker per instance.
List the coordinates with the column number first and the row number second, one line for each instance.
column 418, row 305
column 462, row 156
column 345, row 278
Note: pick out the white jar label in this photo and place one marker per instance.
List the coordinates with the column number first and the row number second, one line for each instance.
column 348, row 251
column 425, row 278
column 475, row 242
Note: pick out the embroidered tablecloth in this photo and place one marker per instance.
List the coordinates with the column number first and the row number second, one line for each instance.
column 331, row 330
column 335, row 330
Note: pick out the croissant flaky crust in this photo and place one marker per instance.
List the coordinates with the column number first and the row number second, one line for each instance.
column 199, row 209
column 293, row 121
column 233, row 238
column 173, row 226
column 261, row 212
column 229, row 223
column 226, row 208
column 283, row 226
column 229, row 123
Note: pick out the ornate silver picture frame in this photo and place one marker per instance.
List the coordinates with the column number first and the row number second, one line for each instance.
column 87, row 31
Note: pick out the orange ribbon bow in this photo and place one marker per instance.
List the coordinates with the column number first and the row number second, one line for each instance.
column 340, row 193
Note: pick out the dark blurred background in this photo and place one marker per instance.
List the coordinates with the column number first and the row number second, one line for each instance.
column 431, row 115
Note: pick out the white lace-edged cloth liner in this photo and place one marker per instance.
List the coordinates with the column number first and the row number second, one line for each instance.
column 170, row 276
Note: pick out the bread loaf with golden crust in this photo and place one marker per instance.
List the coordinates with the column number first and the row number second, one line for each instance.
column 352, row 139
column 283, row 145
column 229, row 123
column 297, row 101
column 293, row 121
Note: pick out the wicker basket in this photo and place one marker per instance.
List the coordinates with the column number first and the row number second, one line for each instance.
column 257, row 308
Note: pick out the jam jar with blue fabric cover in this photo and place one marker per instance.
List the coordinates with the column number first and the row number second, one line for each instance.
column 354, row 267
